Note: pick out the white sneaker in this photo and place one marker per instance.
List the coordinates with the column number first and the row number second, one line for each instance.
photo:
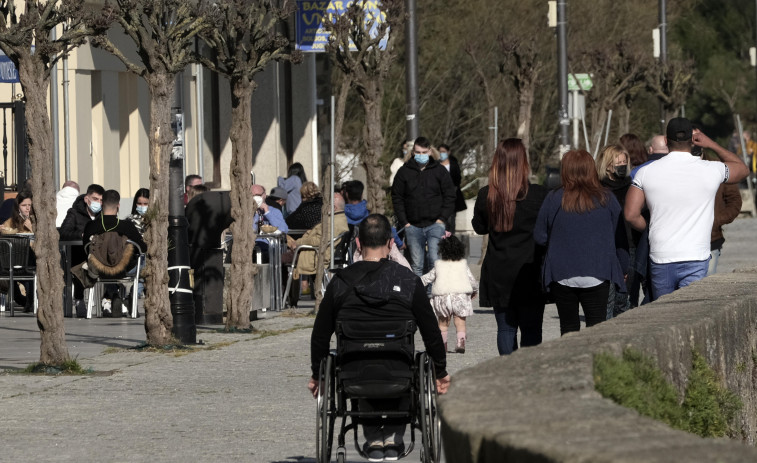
column 106, row 305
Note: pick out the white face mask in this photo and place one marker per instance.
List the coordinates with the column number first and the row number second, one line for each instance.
column 95, row 207
column 258, row 200
column 141, row 210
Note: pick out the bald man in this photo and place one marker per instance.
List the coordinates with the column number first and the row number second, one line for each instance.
column 658, row 148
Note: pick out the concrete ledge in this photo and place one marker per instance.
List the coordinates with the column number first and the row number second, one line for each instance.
column 539, row 404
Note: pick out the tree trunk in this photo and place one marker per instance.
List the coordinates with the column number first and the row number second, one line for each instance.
column 158, row 318
column 240, row 133
column 341, row 105
column 35, row 83
column 526, row 97
column 374, row 145
column 624, row 120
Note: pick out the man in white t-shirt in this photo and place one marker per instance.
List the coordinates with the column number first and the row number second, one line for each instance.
column 679, row 191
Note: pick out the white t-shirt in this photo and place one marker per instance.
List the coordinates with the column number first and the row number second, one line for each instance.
column 680, row 194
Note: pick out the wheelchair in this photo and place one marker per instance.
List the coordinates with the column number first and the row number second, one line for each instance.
column 377, row 361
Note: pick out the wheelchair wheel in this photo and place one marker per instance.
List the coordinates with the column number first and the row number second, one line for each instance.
column 325, row 412
column 429, row 416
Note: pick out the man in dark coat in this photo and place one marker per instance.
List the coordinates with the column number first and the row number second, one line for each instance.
column 423, row 196
column 452, row 165
column 373, row 291
column 85, row 209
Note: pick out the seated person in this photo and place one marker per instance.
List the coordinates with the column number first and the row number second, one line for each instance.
column 268, row 214
column 368, row 292
column 20, row 220
column 109, row 255
column 308, row 215
column 307, row 259
column 356, row 208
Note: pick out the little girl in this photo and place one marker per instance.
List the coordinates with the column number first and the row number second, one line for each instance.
column 453, row 289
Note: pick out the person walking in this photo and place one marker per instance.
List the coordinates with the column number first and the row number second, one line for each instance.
column 612, row 168
column 453, row 289
column 506, row 210
column 680, row 191
column 577, row 223
column 423, row 197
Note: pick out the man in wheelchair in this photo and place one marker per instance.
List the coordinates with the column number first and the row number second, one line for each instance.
column 372, row 292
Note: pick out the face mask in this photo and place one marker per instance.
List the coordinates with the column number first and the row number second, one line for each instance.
column 443, row 156
column 258, row 200
column 141, row 210
column 95, row 207
column 621, row 171
column 421, row 158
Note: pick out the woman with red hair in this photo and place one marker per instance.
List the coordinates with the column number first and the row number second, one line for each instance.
column 506, row 209
column 577, row 223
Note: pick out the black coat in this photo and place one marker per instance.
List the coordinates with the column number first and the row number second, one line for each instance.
column 421, row 197
column 371, row 292
column 307, row 215
column 76, row 219
column 512, row 259
column 457, row 179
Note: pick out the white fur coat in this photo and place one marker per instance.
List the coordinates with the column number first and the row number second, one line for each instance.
column 450, row 277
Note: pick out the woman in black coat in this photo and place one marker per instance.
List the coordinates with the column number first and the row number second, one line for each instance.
column 506, row 209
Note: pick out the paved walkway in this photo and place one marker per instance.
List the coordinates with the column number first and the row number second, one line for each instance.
column 240, row 397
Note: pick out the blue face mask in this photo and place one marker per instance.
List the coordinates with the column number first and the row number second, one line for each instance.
column 443, row 156
column 95, row 207
column 421, row 158
column 141, row 210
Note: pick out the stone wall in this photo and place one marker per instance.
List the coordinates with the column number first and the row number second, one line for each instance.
column 540, row 405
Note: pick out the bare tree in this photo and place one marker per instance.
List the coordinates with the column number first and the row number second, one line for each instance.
column 163, row 32
column 367, row 67
column 617, row 70
column 672, row 83
column 18, row 34
column 244, row 40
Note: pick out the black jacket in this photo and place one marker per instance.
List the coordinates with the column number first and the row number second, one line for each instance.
column 512, row 265
column 457, row 180
column 307, row 215
column 421, row 197
column 76, row 219
column 376, row 291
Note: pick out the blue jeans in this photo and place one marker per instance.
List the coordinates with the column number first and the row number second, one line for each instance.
column 667, row 278
column 418, row 239
column 527, row 316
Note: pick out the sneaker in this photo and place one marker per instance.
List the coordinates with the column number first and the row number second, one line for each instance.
column 374, row 451
column 106, row 304
column 393, row 451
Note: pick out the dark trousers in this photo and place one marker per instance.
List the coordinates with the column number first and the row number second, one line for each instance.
column 524, row 313
column 593, row 301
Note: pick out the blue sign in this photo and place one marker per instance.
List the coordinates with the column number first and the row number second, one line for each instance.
column 8, row 71
column 312, row 37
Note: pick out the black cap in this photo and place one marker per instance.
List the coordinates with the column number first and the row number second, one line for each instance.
column 679, row 129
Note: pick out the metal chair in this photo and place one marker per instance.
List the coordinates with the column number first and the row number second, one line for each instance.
column 15, row 266
column 340, row 258
column 127, row 282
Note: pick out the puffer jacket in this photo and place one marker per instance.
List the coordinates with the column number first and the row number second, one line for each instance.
column 421, row 197
column 76, row 219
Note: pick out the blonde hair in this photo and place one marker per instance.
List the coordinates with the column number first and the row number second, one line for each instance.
column 607, row 158
column 309, row 190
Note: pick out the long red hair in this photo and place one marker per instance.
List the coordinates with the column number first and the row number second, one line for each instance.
column 583, row 192
column 508, row 183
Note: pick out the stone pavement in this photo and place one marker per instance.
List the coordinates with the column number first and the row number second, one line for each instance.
column 238, row 397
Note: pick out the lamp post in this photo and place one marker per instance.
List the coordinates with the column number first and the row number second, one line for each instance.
column 562, row 75
column 663, row 26
column 411, row 72
column 180, row 293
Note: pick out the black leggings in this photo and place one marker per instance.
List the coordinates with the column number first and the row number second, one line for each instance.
column 593, row 301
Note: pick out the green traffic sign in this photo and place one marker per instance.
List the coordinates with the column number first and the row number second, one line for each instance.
column 583, row 79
